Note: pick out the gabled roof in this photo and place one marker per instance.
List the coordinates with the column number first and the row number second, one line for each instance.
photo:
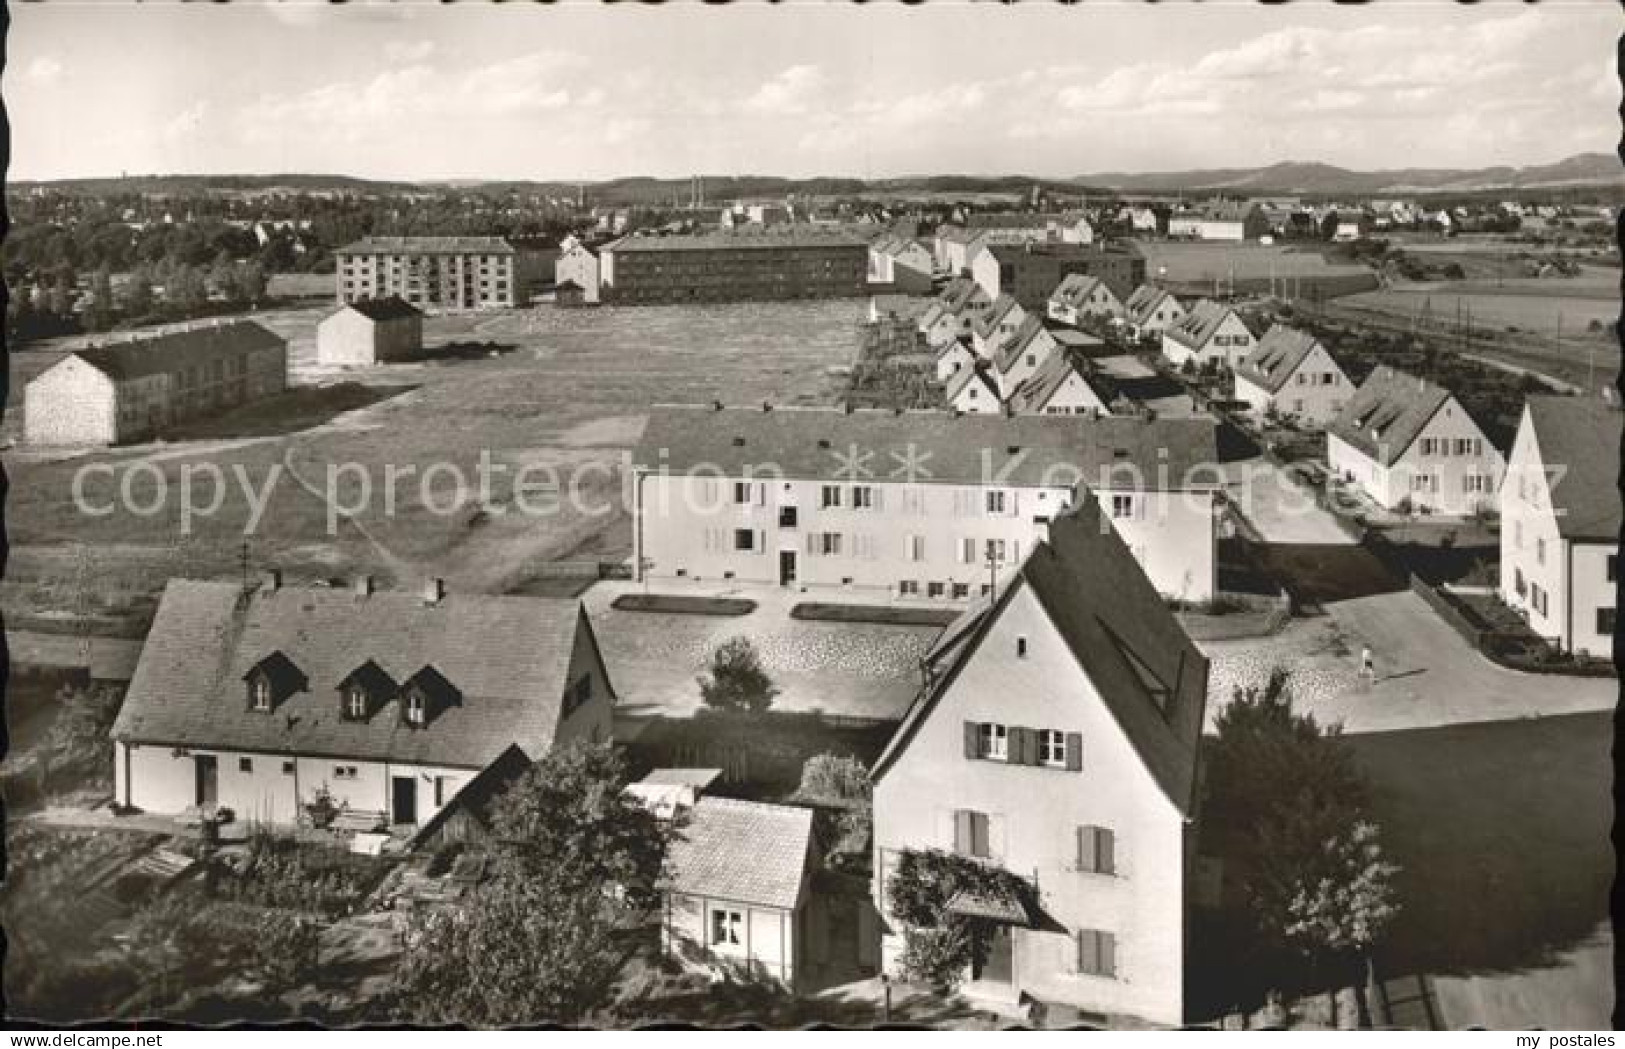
column 1581, row 435
column 743, row 852
column 1074, row 289
column 1147, row 671
column 167, row 352
column 1145, row 301
column 386, row 309
column 1032, row 331
column 1036, row 392
column 818, row 444
column 988, row 322
column 1201, row 323
column 428, row 246
column 1386, row 414
column 964, row 377
column 507, row 657
column 1277, row 357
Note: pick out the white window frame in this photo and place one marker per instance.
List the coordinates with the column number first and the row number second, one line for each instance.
column 992, row 741
column 729, row 931
column 1052, row 748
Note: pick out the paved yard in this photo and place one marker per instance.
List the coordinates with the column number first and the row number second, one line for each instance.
column 1281, row 510
column 1502, row 833
column 837, row 668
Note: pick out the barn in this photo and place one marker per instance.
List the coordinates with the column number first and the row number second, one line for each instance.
column 368, row 331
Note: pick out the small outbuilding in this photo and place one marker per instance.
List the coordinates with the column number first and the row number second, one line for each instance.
column 370, row 331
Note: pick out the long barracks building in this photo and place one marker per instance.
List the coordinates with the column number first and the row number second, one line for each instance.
column 733, row 267
column 918, row 504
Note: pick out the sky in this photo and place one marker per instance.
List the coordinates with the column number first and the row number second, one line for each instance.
column 576, row 91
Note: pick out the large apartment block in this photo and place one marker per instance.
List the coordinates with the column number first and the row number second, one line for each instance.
column 732, row 267
column 925, row 505
column 435, row 274
column 1030, row 273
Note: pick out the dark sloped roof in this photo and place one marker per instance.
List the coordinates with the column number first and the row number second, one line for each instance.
column 764, row 241
column 1582, row 435
column 962, row 378
column 390, row 308
column 988, row 322
column 428, row 246
column 1385, row 414
column 1200, row 323
column 171, row 351
column 1074, row 289
column 1031, row 330
column 476, row 796
column 1144, row 302
column 506, row 658
column 1037, row 390
column 743, row 851
column 1147, row 671
column 829, row 443
column 1276, row 357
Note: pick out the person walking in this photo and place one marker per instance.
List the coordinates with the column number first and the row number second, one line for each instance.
column 1368, row 665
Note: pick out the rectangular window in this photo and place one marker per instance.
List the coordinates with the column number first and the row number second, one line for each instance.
column 1540, row 550
column 355, row 704
column 1097, row 850
column 415, row 712
column 863, row 497
column 830, row 496
column 245, row 764
column 935, row 589
column 787, row 517
column 744, row 539
column 829, row 544
column 1612, row 571
column 742, row 493
column 1052, row 748
column 727, row 928
column 961, row 591
column 259, row 694
column 971, row 834
column 1605, row 620
column 994, row 741
column 995, row 502
column 994, row 550
column 916, row 548
column 287, row 768
column 1122, row 506
column 968, row 551
column 1097, row 953
column 909, row 587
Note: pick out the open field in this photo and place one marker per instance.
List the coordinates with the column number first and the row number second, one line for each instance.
column 1195, row 266
column 565, row 391
column 1545, row 307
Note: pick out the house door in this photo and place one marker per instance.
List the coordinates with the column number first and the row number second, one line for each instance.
column 787, row 567
column 998, row 966
column 404, row 798
column 207, row 776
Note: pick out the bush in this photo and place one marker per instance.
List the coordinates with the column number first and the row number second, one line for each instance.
column 735, row 680
column 936, row 957
column 827, row 777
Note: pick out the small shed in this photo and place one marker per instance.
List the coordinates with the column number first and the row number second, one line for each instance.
column 368, row 331
column 738, row 888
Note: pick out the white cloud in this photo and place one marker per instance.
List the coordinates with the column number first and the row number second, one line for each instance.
column 795, row 90
column 408, row 51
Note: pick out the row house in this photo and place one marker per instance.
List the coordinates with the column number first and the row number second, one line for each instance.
column 114, row 392
column 1560, row 522
column 900, row 264
column 1022, row 353
column 1055, row 743
column 1152, row 311
column 732, row 267
column 1059, row 387
column 973, row 389
column 1000, row 323
column 1079, row 297
column 1211, row 333
column 1220, row 222
column 918, row 504
column 954, row 312
column 1291, row 375
column 386, row 702
column 1029, row 273
column 955, row 247
column 1407, row 442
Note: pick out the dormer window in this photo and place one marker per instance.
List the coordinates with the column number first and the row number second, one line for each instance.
column 271, row 681
column 355, row 703
column 426, row 695
column 416, row 709
column 259, row 693
column 364, row 690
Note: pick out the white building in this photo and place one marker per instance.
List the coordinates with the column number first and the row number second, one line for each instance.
column 578, row 264
column 1080, row 296
column 386, row 702
column 973, row 391
column 998, row 325
column 432, row 273
column 1020, row 355
column 1151, row 310
column 1059, row 388
column 1212, row 333
column 954, row 358
column 1055, row 743
column 120, row 391
column 900, row 263
column 1404, row 441
column 1560, row 522
column 1291, row 375
column 369, row 331
column 912, row 504
column 955, row 311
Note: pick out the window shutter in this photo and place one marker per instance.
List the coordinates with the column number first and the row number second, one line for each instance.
column 1083, row 848
column 972, row 739
column 812, row 544
column 761, row 541
column 1088, row 951
column 1105, row 851
column 1074, row 752
column 963, row 832
column 1108, row 953
column 879, row 498
column 979, row 834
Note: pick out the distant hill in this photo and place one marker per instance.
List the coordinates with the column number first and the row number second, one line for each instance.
column 1294, row 178
column 1311, row 178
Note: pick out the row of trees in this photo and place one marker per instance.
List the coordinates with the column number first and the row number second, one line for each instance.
column 167, row 290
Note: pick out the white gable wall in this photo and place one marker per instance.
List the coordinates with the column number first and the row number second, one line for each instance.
column 70, row 402
column 1034, row 813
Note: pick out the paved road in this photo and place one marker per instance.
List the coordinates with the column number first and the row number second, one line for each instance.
column 1281, row 510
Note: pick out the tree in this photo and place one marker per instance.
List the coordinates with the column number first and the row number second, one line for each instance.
column 79, row 748
column 576, row 867
column 1328, row 225
column 735, row 680
column 833, row 778
column 138, row 299
column 1286, row 810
